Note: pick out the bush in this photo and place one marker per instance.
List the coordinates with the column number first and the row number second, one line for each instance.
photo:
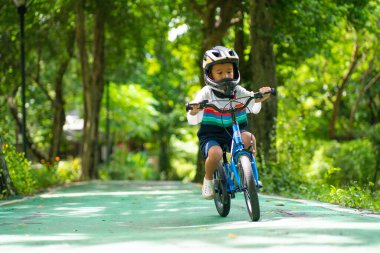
column 185, row 170
column 69, row 170
column 48, row 175
column 345, row 163
column 20, row 171
column 29, row 178
column 354, row 196
column 127, row 166
column 45, row 175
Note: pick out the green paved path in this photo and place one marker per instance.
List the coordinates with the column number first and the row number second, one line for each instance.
column 172, row 217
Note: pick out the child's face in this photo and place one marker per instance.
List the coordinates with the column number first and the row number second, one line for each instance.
column 221, row 71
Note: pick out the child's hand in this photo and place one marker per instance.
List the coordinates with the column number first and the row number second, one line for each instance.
column 195, row 109
column 265, row 96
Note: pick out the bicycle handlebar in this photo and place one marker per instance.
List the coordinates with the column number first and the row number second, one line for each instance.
column 206, row 103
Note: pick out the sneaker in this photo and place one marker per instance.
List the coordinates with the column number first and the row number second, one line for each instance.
column 260, row 185
column 208, row 190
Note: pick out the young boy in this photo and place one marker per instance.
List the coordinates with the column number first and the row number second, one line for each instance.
column 222, row 77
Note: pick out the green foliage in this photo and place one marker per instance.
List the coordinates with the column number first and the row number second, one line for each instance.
column 355, row 196
column 184, row 161
column 305, row 154
column 126, row 165
column 374, row 135
column 185, row 170
column 69, row 170
column 294, row 150
column 303, row 27
column 345, row 163
column 20, row 171
column 46, row 175
column 29, row 178
column 132, row 113
column 61, row 172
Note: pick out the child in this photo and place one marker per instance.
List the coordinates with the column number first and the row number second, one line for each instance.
column 222, row 77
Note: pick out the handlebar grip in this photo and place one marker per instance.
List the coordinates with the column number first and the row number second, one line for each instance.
column 273, row 92
column 188, row 107
column 201, row 104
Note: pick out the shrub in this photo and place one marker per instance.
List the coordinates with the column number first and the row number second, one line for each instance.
column 20, row 171
column 127, row 166
column 345, row 163
column 69, row 170
column 185, row 170
column 29, row 178
column 354, row 196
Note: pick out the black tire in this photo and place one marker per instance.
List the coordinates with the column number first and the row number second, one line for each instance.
column 222, row 199
column 249, row 188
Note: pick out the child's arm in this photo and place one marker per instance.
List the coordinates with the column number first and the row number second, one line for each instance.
column 254, row 106
column 265, row 96
column 195, row 109
column 195, row 115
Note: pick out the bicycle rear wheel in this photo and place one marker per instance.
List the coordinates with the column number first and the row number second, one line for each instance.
column 249, row 188
column 222, row 199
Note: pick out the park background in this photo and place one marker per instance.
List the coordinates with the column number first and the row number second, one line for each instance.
column 106, row 83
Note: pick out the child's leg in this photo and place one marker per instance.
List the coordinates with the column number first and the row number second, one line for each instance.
column 214, row 155
column 248, row 138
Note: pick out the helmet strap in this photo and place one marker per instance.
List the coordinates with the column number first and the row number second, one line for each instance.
column 222, row 95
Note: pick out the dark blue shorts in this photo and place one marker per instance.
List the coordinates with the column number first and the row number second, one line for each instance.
column 206, row 145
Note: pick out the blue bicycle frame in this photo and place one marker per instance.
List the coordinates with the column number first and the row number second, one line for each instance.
column 237, row 150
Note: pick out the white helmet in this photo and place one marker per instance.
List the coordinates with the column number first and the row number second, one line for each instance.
column 220, row 54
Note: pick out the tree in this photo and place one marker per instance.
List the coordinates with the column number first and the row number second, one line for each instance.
column 44, row 85
column 216, row 17
column 93, row 82
column 6, row 184
column 264, row 73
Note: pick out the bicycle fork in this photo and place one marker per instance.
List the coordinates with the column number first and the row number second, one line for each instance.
column 255, row 172
column 230, row 175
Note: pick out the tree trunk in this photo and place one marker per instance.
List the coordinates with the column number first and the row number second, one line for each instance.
column 93, row 86
column 59, row 102
column 6, row 185
column 164, row 162
column 214, row 27
column 341, row 88
column 363, row 90
column 240, row 44
column 31, row 146
column 263, row 125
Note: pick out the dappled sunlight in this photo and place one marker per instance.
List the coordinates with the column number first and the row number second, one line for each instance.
column 167, row 210
column 83, row 211
column 225, row 244
column 188, row 226
column 293, row 239
column 162, row 187
column 121, row 193
column 299, row 223
column 6, row 239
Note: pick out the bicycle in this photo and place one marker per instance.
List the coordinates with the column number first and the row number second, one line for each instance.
column 238, row 173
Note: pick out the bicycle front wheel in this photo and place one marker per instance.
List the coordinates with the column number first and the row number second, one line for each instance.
column 222, row 199
column 249, row 188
